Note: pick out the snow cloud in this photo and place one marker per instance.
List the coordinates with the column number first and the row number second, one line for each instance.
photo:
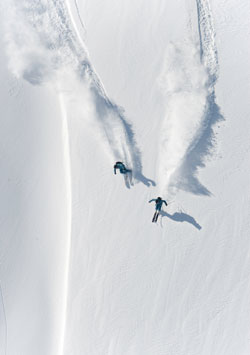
column 187, row 82
column 43, row 47
column 184, row 84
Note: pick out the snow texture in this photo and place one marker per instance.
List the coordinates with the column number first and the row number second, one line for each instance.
column 52, row 51
column 187, row 82
column 163, row 87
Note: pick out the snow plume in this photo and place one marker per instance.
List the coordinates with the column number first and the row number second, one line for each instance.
column 184, row 83
column 39, row 39
column 44, row 47
column 188, row 81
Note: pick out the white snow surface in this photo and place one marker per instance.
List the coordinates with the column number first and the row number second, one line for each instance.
column 163, row 86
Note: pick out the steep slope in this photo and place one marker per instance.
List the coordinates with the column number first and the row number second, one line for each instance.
column 176, row 287
column 83, row 269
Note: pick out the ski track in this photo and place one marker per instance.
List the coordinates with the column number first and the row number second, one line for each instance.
column 208, row 50
column 184, row 83
column 69, row 222
column 79, row 16
column 50, row 51
column 187, row 81
column 53, row 47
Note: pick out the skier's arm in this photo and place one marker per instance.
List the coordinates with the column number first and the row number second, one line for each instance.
column 152, row 200
column 165, row 202
column 115, row 170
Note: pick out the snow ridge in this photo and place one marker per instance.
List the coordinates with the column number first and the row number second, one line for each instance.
column 187, row 83
column 3, row 325
column 44, row 49
column 68, row 226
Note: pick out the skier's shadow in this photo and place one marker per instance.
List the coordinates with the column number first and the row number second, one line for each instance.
column 181, row 217
column 146, row 181
column 128, row 179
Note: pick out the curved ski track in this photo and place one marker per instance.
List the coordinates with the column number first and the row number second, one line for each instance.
column 182, row 154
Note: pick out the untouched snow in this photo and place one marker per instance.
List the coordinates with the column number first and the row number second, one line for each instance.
column 164, row 87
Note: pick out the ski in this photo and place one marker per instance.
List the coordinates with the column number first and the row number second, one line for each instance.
column 158, row 204
column 154, row 217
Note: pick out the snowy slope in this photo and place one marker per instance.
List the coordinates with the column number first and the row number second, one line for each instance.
column 163, row 87
column 34, row 216
column 177, row 289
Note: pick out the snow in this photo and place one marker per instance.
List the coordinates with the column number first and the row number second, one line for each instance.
column 163, row 87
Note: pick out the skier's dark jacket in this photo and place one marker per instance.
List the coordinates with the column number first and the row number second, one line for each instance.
column 158, row 203
column 121, row 166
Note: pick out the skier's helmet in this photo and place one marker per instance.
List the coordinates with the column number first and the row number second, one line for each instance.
column 158, row 199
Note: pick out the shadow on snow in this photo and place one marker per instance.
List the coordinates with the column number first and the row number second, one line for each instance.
column 120, row 136
column 200, row 150
column 182, row 217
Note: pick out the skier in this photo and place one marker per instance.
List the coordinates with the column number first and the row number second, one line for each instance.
column 121, row 167
column 158, row 205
